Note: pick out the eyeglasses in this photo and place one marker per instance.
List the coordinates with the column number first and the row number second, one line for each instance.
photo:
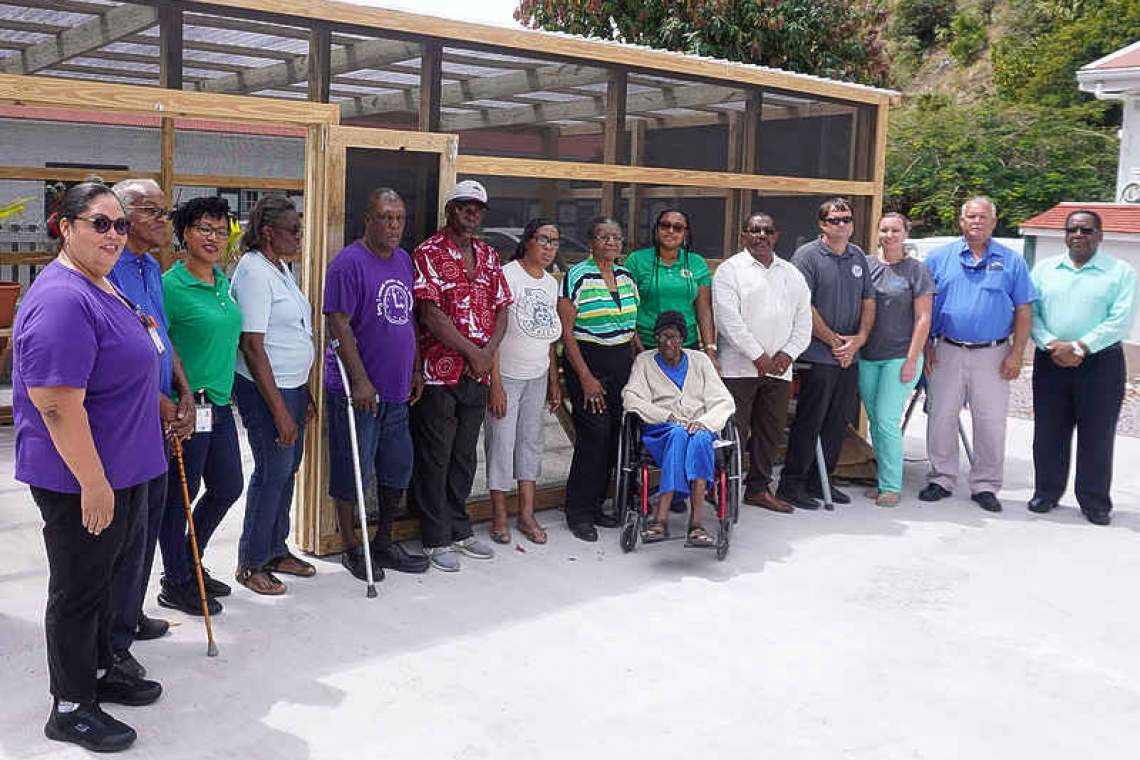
column 548, row 242
column 207, row 231
column 102, row 223
column 609, row 239
column 159, row 214
column 762, row 231
column 670, row 337
column 1081, row 230
column 674, row 226
column 836, row 220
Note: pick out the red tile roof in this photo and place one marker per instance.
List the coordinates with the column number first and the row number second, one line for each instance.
column 1125, row 58
column 1117, row 217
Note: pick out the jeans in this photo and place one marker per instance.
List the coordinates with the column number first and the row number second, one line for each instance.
column 269, row 498
column 81, row 570
column 138, row 559
column 884, row 396
column 445, row 431
column 213, row 458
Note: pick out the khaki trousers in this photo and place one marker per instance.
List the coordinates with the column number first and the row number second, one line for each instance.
column 962, row 375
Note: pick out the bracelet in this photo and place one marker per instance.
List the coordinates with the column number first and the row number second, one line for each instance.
column 710, row 345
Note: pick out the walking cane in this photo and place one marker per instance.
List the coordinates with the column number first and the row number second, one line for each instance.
column 356, row 469
column 211, row 647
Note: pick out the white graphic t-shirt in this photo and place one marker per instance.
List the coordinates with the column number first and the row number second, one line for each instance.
column 532, row 325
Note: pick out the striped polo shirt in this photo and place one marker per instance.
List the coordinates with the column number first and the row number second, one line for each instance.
column 601, row 319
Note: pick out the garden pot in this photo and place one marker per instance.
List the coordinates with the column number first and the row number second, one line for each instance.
column 9, row 292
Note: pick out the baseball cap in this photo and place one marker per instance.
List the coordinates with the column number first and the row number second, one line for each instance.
column 468, row 190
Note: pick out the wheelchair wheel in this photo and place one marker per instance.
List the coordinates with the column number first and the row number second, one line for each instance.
column 629, row 535
column 722, row 550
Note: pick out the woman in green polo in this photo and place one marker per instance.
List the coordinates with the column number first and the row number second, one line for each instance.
column 670, row 277
column 204, row 327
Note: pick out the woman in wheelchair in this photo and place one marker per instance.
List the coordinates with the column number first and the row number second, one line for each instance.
column 682, row 403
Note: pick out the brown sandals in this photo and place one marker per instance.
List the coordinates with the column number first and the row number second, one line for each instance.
column 536, row 536
column 260, row 581
column 288, row 564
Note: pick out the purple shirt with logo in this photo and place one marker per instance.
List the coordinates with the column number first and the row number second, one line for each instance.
column 376, row 294
column 70, row 333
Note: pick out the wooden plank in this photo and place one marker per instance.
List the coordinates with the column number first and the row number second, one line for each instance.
column 115, row 24
column 635, row 193
column 483, row 88
column 616, row 92
column 548, row 193
column 224, row 180
column 431, row 81
column 524, row 42
column 389, row 139
column 102, row 96
column 71, row 175
column 732, row 198
column 750, row 149
column 320, row 64
column 170, row 46
column 166, row 182
column 25, row 258
column 880, row 160
column 537, row 168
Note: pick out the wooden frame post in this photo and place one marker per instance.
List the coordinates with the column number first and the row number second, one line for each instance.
column 749, row 152
column 320, row 63
column 431, row 82
column 170, row 77
column 614, row 130
column 637, row 134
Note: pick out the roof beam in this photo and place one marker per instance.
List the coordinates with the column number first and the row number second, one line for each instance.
column 690, row 96
column 481, row 88
column 362, row 55
column 115, row 24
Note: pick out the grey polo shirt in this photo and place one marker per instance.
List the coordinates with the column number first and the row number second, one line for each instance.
column 838, row 285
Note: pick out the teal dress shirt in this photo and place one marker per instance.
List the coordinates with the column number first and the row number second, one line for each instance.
column 1094, row 304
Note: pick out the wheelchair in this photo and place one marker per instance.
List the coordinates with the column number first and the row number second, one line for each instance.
column 633, row 491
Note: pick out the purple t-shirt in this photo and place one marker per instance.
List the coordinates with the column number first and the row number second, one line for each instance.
column 70, row 333
column 376, row 294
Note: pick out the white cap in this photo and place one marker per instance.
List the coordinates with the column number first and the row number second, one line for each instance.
column 468, row 190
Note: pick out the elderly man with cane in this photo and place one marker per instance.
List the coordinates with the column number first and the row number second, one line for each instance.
column 368, row 303
column 139, row 277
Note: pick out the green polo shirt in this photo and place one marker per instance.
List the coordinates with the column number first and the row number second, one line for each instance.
column 205, row 324
column 1095, row 304
column 667, row 288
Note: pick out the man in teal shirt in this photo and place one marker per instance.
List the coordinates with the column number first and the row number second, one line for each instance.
column 1086, row 307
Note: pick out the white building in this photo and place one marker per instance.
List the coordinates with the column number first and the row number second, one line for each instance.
column 1117, row 77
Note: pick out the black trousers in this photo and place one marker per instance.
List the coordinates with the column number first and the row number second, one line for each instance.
column 828, row 395
column 81, row 569
column 134, row 572
column 761, row 414
column 445, row 430
column 595, row 433
column 1087, row 398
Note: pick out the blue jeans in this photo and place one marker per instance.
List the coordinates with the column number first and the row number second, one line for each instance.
column 884, row 397
column 269, row 498
column 213, row 458
column 384, row 444
column 681, row 457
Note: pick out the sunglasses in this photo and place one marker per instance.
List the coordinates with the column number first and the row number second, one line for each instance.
column 1081, row 230
column 674, row 226
column 762, row 231
column 102, row 223
column 834, row 220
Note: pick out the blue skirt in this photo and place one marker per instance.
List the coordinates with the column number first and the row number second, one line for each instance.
column 681, row 457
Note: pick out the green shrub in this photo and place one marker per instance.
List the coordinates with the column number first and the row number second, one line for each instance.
column 921, row 19
column 969, row 38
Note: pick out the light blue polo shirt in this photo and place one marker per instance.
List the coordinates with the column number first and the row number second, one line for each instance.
column 975, row 301
column 1095, row 304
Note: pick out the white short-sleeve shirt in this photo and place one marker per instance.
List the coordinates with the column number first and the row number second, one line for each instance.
column 271, row 303
column 532, row 324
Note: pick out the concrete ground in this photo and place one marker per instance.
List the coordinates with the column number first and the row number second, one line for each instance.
column 927, row 631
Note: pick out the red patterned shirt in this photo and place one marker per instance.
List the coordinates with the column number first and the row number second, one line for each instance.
column 471, row 305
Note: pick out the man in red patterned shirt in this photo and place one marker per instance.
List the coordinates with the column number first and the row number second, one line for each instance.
column 461, row 303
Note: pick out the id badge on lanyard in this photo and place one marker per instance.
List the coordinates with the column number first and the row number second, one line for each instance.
column 152, row 330
column 203, row 413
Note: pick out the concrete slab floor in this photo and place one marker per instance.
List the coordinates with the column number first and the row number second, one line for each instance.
column 927, row 631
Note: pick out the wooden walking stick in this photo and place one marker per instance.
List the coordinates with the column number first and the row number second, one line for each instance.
column 211, row 647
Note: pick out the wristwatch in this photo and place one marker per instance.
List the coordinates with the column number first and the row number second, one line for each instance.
column 1077, row 349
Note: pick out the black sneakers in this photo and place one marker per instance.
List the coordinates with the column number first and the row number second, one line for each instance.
column 353, row 561
column 90, row 728
column 150, row 628
column 184, row 596
column 121, row 687
column 214, row 587
column 126, row 662
column 395, row 557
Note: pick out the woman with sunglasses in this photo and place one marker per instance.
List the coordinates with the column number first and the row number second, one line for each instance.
column 272, row 391
column 598, row 309
column 670, row 277
column 891, row 360
column 204, row 327
column 524, row 376
column 88, row 439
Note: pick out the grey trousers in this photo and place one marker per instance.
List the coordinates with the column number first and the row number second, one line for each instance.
column 960, row 374
column 513, row 443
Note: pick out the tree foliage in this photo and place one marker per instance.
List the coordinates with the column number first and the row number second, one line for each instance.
column 969, row 38
column 1027, row 158
column 1051, row 39
column 833, row 38
column 920, row 20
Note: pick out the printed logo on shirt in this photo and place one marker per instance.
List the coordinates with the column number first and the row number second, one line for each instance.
column 995, row 266
column 394, row 302
column 856, row 270
column 687, row 274
column 536, row 315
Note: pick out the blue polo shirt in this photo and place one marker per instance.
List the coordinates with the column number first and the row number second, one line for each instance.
column 975, row 301
column 140, row 279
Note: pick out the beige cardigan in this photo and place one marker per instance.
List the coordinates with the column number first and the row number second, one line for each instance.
column 653, row 396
